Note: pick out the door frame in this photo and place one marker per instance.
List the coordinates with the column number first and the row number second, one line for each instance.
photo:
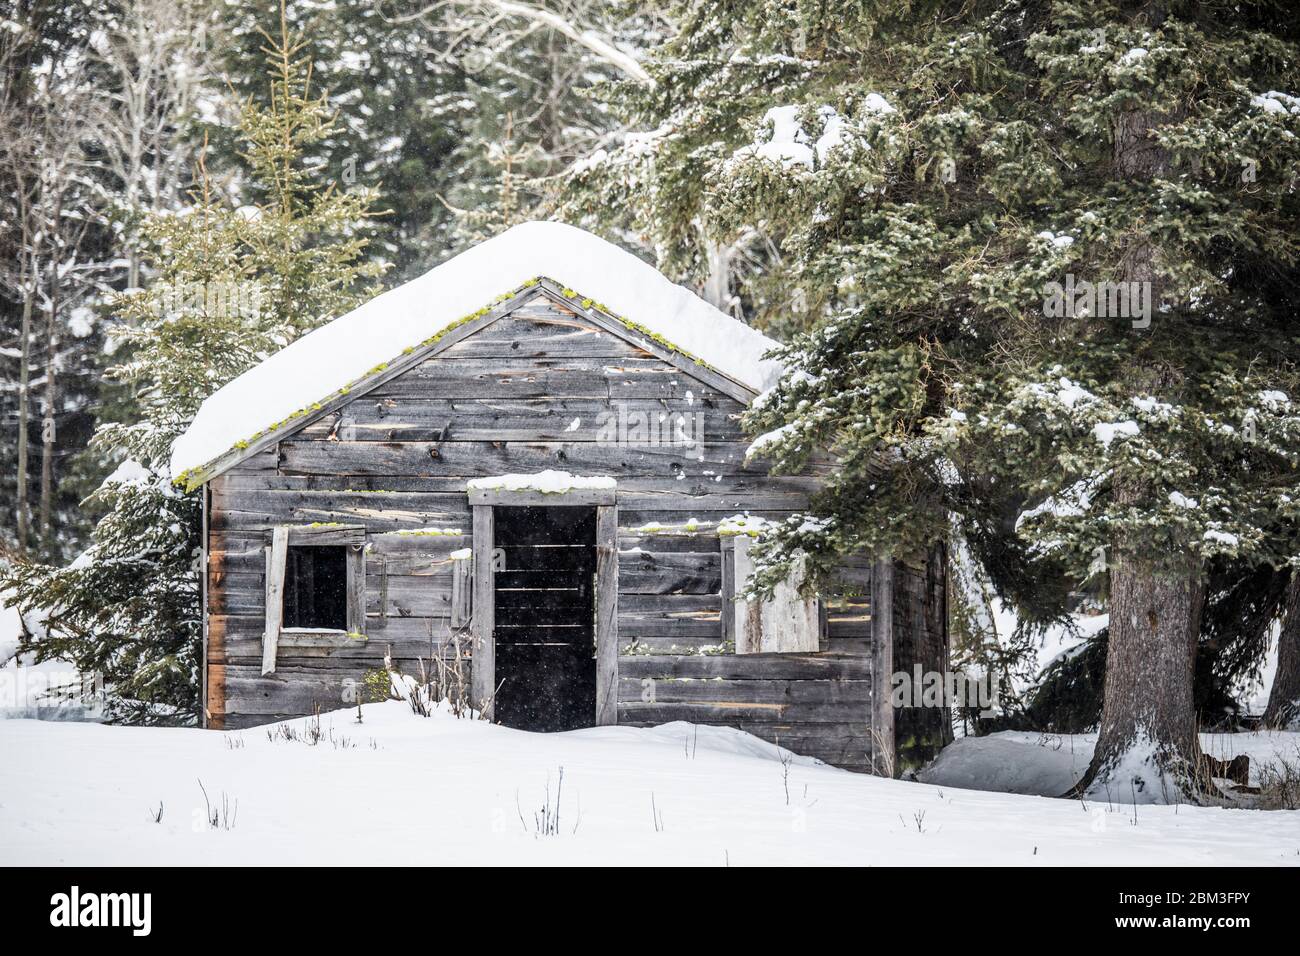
column 483, row 623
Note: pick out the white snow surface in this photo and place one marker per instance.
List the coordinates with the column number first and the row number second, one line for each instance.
column 337, row 354
column 743, row 524
column 404, row 789
column 548, row 482
column 1050, row 764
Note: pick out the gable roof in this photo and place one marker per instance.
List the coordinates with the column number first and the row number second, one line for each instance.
column 328, row 362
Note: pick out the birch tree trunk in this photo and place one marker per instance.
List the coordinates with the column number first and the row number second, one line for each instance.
column 49, row 435
column 24, row 397
column 717, row 287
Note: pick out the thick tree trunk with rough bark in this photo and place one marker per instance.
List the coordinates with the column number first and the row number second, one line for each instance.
column 1283, row 708
column 1148, row 749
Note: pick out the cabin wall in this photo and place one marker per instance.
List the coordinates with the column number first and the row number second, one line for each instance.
column 534, row 390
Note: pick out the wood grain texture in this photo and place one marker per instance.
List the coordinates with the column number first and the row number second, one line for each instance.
column 483, row 669
column 607, row 586
column 276, row 556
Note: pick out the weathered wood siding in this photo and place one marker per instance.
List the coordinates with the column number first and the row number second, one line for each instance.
column 524, row 394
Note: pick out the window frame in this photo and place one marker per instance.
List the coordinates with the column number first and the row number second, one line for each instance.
column 283, row 537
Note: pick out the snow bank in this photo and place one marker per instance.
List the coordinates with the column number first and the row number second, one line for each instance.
column 467, row 792
column 1011, row 763
column 1048, row 765
column 337, row 354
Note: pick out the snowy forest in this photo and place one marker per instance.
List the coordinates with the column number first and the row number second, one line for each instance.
column 1033, row 268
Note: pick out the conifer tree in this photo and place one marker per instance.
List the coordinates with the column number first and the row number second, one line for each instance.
column 231, row 285
column 938, row 193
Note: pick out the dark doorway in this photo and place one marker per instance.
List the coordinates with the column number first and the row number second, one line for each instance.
column 545, row 618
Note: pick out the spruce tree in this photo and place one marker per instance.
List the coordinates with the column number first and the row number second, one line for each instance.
column 928, row 188
column 231, row 285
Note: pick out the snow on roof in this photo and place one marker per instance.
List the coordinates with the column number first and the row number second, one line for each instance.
column 336, row 355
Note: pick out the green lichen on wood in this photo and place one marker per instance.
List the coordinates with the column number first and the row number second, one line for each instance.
column 660, row 340
column 637, row 649
column 655, row 528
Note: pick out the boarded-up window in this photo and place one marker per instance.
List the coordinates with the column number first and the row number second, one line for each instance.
column 785, row 623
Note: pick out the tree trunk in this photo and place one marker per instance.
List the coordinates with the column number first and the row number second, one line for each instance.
column 24, row 378
column 1283, row 708
column 1148, row 750
column 717, row 287
column 49, row 436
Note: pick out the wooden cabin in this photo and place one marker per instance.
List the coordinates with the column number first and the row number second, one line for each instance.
column 557, row 489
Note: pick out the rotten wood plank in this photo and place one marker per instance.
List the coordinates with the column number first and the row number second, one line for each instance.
column 276, row 556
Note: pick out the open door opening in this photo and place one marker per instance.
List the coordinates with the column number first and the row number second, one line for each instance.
column 545, row 612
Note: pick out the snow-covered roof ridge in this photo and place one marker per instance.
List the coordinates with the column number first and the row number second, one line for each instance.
column 336, row 355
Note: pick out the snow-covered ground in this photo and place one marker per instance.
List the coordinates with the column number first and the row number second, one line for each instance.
column 402, row 789
column 1050, row 764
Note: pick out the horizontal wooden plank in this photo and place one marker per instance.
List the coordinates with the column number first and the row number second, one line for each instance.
column 638, row 421
column 297, row 638
column 631, row 540
column 788, row 667
column 524, row 377
column 288, row 689
column 239, row 637
column 630, row 517
column 538, row 330
column 735, row 713
column 716, row 690
column 324, row 534
column 483, row 459
column 255, row 508
column 680, row 572
column 679, row 616
column 578, row 497
column 705, row 482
